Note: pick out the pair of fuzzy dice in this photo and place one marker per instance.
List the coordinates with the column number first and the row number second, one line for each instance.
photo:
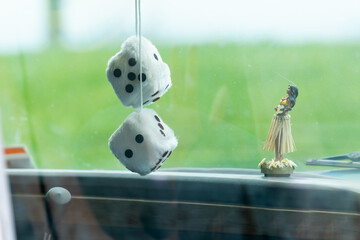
column 143, row 141
column 123, row 72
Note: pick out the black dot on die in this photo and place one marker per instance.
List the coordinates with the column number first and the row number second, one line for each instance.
column 131, row 76
column 155, row 94
column 157, row 118
column 128, row 153
column 129, row 88
column 156, row 57
column 169, row 154
column 165, row 153
column 161, row 126
column 143, row 77
column 162, row 133
column 132, row 62
column 156, row 99
column 139, row 138
column 117, row 73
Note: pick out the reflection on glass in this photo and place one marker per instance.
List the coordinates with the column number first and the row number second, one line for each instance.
column 227, row 63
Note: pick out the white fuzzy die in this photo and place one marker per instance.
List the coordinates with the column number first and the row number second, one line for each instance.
column 143, row 142
column 124, row 68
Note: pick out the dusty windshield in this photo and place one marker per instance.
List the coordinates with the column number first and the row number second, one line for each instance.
column 231, row 63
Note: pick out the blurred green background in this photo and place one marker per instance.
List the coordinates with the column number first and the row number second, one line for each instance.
column 59, row 104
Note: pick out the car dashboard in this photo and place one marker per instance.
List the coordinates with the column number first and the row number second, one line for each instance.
column 186, row 204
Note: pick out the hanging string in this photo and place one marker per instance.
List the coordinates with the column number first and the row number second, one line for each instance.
column 140, row 59
column 136, row 18
column 138, row 34
column 284, row 78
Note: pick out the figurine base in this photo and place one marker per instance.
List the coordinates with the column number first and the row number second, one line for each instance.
column 282, row 168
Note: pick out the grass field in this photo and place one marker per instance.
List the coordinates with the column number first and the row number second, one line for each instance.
column 61, row 106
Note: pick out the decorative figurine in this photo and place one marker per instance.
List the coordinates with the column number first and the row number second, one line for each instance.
column 280, row 139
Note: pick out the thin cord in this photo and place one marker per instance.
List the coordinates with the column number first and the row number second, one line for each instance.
column 284, row 78
column 136, row 18
column 140, row 54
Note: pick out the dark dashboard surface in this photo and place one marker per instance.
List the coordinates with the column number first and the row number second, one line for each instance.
column 186, row 204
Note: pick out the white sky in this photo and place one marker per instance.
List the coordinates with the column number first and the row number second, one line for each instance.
column 24, row 23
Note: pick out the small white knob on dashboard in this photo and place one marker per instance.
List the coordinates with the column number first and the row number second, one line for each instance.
column 58, row 195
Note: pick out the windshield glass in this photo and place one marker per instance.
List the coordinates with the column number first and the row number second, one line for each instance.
column 231, row 62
